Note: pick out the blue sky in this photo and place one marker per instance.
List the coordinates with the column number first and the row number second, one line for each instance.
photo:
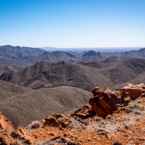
column 73, row 23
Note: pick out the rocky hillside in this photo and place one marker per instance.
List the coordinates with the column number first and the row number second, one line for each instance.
column 110, row 118
column 37, row 68
column 110, row 72
column 17, row 55
column 44, row 75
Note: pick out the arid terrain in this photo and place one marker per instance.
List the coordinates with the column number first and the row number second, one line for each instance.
column 46, row 97
column 37, row 68
column 72, row 72
column 110, row 118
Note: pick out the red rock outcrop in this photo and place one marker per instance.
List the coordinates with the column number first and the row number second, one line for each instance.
column 132, row 91
column 6, row 128
column 107, row 101
column 6, row 124
column 103, row 103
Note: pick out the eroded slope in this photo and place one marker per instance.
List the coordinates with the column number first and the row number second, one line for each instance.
column 124, row 125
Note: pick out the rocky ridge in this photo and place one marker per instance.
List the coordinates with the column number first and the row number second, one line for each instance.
column 110, row 118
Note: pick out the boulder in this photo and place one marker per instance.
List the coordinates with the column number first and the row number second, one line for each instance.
column 132, row 91
column 107, row 101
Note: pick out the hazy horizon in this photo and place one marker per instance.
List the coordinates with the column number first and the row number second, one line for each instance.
column 51, row 47
column 73, row 23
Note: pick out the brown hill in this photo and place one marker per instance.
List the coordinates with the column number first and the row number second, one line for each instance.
column 28, row 104
column 44, row 74
column 110, row 72
column 123, row 70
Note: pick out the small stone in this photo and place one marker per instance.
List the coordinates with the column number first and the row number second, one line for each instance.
column 117, row 143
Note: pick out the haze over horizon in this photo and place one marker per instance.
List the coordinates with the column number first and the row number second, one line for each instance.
column 73, row 23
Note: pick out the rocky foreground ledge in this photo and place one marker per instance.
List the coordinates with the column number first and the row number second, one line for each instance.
column 110, row 118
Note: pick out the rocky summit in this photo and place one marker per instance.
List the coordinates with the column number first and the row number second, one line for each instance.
column 110, row 118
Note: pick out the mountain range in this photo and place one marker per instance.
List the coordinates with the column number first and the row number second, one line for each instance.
column 35, row 82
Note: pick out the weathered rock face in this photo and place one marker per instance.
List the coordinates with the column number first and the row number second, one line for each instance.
column 122, row 123
column 133, row 91
column 103, row 103
column 83, row 112
column 107, row 101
